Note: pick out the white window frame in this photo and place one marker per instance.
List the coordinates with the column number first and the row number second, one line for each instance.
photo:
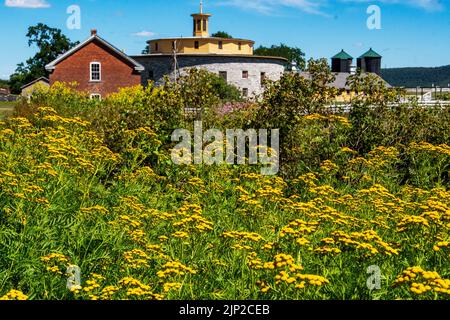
column 93, row 95
column 99, row 71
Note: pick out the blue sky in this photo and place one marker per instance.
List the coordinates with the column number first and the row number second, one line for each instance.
column 413, row 32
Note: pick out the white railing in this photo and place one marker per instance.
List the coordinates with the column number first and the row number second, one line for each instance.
column 347, row 107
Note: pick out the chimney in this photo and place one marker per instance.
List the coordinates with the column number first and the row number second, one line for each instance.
column 93, row 32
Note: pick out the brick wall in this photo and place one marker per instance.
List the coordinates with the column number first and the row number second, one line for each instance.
column 115, row 72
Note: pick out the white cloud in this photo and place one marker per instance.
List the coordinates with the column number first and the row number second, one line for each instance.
column 429, row 5
column 269, row 6
column 318, row 6
column 144, row 34
column 30, row 4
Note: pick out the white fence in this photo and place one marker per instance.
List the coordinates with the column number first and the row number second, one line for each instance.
column 8, row 98
column 425, row 104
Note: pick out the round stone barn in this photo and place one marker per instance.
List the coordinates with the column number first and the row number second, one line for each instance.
column 230, row 58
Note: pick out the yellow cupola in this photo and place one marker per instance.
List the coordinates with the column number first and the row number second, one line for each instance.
column 201, row 23
column 201, row 42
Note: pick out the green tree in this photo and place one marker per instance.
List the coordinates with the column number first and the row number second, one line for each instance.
column 293, row 54
column 222, row 34
column 146, row 50
column 295, row 95
column 286, row 101
column 374, row 106
column 4, row 83
column 50, row 42
column 202, row 90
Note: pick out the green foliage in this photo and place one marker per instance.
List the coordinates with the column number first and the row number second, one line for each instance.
column 4, row 83
column 417, row 77
column 143, row 232
column 90, row 183
column 379, row 118
column 222, row 34
column 158, row 108
column 50, row 43
column 371, row 90
column 204, row 91
column 294, row 95
column 225, row 91
column 292, row 54
column 146, row 50
column 287, row 100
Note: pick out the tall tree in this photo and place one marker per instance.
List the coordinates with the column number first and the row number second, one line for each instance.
column 50, row 42
column 222, row 34
column 293, row 54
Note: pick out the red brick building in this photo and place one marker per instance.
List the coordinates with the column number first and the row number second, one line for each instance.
column 98, row 67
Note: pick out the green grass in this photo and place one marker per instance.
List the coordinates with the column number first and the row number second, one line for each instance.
column 6, row 107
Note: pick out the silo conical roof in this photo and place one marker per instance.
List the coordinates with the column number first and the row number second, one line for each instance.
column 342, row 55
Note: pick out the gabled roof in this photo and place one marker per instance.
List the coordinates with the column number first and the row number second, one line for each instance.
column 342, row 55
column 51, row 66
column 371, row 54
column 35, row 81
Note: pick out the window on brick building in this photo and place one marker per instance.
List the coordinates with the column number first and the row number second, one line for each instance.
column 156, row 46
column 96, row 96
column 220, row 45
column 96, row 70
column 245, row 74
column 240, row 46
column 196, row 45
column 245, row 92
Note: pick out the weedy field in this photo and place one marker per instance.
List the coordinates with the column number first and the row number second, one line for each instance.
column 139, row 227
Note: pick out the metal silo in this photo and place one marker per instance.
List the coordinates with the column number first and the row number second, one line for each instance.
column 370, row 62
column 341, row 62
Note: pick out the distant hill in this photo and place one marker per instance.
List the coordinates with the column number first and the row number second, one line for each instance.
column 417, row 77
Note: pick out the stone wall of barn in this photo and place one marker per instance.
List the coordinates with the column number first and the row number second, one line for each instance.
column 235, row 67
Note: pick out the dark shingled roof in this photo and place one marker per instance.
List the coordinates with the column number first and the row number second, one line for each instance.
column 342, row 55
column 341, row 79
